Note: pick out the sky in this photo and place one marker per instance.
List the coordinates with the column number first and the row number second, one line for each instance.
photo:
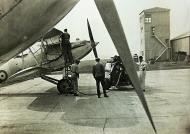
column 128, row 11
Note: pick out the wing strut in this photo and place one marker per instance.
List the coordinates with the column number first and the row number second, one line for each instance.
column 34, row 56
column 113, row 24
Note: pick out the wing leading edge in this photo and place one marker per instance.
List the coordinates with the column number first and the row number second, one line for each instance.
column 113, row 24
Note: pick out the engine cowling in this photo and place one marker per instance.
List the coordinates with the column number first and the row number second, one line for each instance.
column 3, row 76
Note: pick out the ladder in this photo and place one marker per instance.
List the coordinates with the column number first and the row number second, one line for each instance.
column 67, row 70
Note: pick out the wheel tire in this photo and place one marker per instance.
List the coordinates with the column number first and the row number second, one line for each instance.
column 3, row 76
column 64, row 86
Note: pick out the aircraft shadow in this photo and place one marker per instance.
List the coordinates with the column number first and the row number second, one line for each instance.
column 14, row 81
column 50, row 92
column 88, row 110
column 128, row 89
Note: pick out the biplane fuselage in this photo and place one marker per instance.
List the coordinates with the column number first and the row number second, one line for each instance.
column 50, row 57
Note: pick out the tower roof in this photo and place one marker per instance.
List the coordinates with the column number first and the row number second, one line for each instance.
column 184, row 35
column 155, row 9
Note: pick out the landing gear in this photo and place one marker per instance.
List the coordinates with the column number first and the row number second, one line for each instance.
column 64, row 86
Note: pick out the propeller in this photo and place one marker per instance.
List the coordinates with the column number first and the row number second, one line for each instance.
column 93, row 44
column 114, row 27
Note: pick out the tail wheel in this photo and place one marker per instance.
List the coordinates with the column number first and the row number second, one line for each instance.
column 3, row 76
column 64, row 86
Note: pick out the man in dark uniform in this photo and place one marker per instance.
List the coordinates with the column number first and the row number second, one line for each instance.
column 66, row 47
column 99, row 75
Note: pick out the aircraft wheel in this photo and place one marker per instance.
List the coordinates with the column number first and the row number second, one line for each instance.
column 3, row 76
column 64, row 86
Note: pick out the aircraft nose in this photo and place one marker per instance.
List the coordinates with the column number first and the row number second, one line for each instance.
column 96, row 43
column 82, row 49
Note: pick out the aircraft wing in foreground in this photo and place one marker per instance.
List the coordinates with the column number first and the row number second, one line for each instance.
column 23, row 22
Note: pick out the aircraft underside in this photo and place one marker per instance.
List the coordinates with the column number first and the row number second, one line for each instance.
column 23, row 22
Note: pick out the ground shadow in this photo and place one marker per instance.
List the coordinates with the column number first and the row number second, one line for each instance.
column 123, row 88
column 88, row 110
column 50, row 92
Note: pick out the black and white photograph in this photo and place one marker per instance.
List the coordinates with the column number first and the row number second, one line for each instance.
column 94, row 67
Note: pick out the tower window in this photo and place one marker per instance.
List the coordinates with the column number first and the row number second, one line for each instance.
column 148, row 18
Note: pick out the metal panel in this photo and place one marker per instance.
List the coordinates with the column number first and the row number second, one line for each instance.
column 7, row 5
column 27, row 22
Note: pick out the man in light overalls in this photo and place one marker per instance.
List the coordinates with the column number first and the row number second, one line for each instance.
column 142, row 72
column 75, row 76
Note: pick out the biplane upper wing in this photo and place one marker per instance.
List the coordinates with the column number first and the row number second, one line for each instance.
column 113, row 24
column 52, row 33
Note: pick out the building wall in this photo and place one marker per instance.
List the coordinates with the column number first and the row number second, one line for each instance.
column 142, row 37
column 180, row 45
column 150, row 45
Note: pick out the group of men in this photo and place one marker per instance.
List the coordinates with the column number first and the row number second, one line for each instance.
column 98, row 72
column 98, row 69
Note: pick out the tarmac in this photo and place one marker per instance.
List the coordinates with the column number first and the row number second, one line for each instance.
column 34, row 107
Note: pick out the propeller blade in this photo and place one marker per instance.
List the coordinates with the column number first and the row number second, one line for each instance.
column 113, row 24
column 93, row 45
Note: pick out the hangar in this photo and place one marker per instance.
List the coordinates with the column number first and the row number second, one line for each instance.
column 181, row 47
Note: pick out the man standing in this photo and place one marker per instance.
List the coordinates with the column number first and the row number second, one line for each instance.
column 99, row 75
column 135, row 58
column 66, row 47
column 75, row 76
column 142, row 72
